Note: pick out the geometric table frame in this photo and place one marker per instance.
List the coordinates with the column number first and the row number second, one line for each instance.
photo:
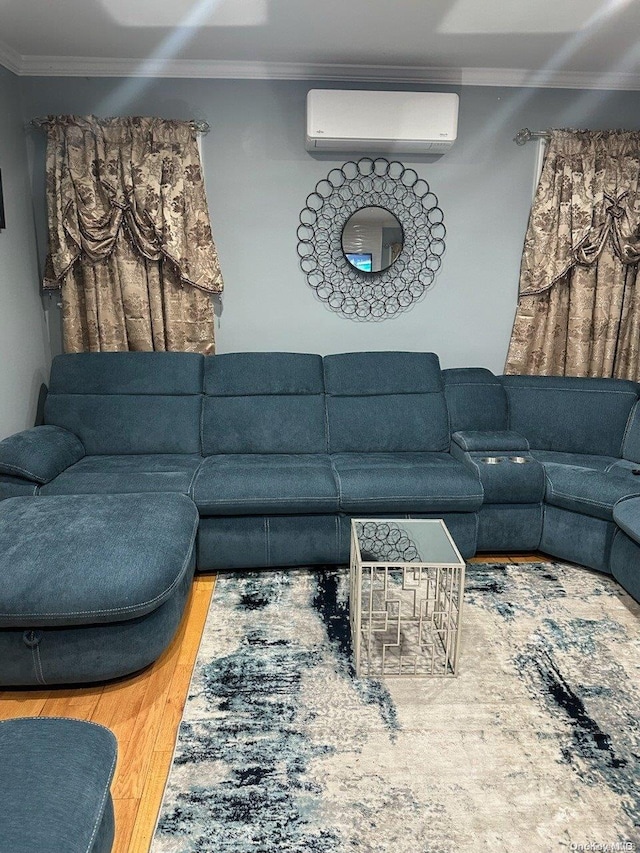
column 405, row 609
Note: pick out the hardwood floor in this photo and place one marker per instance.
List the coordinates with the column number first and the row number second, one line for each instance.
column 144, row 712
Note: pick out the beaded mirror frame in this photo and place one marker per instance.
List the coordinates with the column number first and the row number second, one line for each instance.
column 353, row 293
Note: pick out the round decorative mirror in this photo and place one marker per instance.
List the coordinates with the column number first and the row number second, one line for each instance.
column 372, row 239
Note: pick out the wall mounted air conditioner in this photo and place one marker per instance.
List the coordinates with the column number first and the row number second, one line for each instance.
column 381, row 122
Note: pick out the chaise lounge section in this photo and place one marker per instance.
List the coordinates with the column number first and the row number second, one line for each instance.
column 92, row 586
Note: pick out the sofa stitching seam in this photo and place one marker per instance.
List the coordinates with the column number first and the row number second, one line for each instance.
column 18, row 469
column 338, row 481
column 357, row 394
column 267, row 500
column 628, row 426
column 103, row 801
column 37, row 662
column 472, row 385
column 578, row 498
column 325, row 394
column 267, row 535
column 201, row 430
column 431, row 497
column 574, row 390
column 193, row 479
column 477, row 467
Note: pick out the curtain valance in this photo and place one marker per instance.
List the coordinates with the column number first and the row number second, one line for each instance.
column 134, row 177
column 588, row 197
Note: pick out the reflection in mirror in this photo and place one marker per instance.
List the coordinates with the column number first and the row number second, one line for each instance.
column 372, row 239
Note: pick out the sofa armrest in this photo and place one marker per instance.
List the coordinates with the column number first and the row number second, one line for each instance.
column 16, row 487
column 39, row 454
column 507, row 471
column 504, row 441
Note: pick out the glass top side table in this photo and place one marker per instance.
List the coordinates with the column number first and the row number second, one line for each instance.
column 406, row 595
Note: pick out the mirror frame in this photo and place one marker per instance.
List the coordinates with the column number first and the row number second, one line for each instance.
column 356, row 294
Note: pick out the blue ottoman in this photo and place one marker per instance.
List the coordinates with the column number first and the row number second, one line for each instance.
column 91, row 586
column 54, row 786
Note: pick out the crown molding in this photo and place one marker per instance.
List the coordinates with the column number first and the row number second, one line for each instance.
column 84, row 66
column 10, row 59
column 546, row 79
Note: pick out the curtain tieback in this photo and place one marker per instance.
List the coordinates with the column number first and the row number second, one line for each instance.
column 625, row 245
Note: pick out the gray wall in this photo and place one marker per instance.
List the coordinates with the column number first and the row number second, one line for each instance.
column 258, row 176
column 24, row 346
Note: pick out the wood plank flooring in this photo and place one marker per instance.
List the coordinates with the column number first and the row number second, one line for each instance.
column 144, row 712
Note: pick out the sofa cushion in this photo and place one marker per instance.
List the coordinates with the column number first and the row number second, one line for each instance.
column 39, row 454
column 264, row 424
column 93, row 475
column 134, row 402
column 570, row 414
column 586, row 491
column 475, row 398
column 55, row 775
column 248, row 373
column 76, row 560
column 265, row 484
column 171, row 373
column 264, row 403
column 410, row 482
column 385, row 402
column 117, row 423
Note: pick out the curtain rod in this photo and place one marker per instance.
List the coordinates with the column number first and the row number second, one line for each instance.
column 200, row 124
column 525, row 135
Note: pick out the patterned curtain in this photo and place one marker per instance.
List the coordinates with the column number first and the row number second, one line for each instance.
column 579, row 308
column 130, row 241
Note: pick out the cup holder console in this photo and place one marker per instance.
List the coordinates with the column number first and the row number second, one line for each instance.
column 496, row 460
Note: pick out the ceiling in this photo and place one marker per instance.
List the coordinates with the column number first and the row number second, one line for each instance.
column 572, row 43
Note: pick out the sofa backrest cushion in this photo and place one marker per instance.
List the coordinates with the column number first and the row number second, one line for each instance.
column 385, row 402
column 259, row 402
column 128, row 402
column 475, row 398
column 570, row 414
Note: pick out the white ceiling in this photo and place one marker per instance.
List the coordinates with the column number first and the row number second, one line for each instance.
column 575, row 43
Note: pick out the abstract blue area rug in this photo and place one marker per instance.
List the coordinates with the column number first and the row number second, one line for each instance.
column 534, row 746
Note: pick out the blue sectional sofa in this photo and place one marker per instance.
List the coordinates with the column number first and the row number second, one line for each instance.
column 278, row 451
